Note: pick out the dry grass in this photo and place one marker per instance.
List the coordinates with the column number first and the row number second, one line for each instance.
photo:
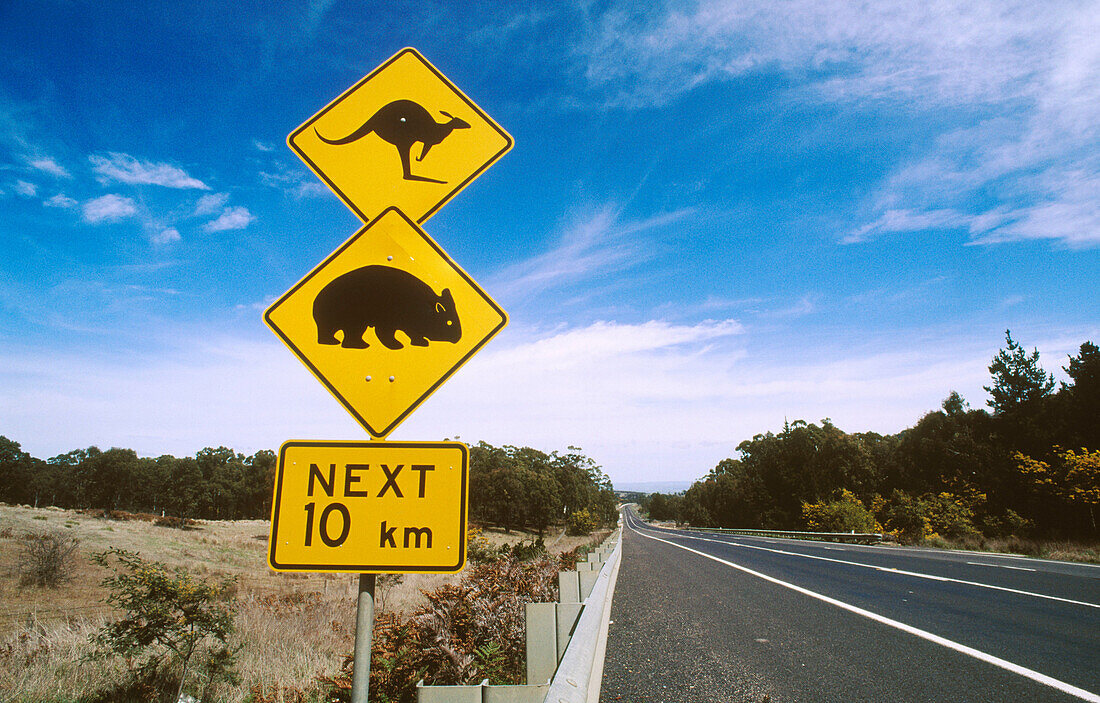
column 294, row 627
column 1060, row 551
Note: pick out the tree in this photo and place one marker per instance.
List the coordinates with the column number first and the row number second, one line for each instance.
column 1019, row 383
column 15, row 471
column 1083, row 396
column 167, row 613
column 1073, row 477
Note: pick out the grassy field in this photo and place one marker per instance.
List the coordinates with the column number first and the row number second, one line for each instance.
column 293, row 627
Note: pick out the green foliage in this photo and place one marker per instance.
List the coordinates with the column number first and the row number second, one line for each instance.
column 1019, row 383
column 168, row 615
column 1072, row 477
column 467, row 632
column 664, row 507
column 479, row 549
column 46, row 559
column 844, row 513
column 526, row 550
column 520, row 487
column 952, row 516
column 490, row 660
column 581, row 522
column 906, row 517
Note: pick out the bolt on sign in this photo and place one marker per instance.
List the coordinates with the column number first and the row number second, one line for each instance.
column 385, row 320
column 370, row 507
column 403, row 136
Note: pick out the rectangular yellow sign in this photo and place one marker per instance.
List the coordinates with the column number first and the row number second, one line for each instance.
column 370, row 507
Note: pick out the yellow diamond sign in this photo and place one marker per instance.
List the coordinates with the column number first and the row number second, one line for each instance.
column 370, row 507
column 403, row 136
column 385, row 320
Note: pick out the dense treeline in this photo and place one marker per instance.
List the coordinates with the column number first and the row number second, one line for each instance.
column 214, row 484
column 509, row 486
column 1029, row 466
column 520, row 487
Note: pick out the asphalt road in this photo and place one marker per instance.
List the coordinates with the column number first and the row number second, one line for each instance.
column 708, row 617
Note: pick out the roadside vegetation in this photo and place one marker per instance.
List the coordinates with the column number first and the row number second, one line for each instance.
column 106, row 600
column 1022, row 477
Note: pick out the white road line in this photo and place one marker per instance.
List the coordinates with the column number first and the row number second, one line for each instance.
column 1000, row 566
column 885, row 569
column 923, row 634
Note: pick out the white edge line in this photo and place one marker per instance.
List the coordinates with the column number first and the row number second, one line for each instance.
column 923, row 634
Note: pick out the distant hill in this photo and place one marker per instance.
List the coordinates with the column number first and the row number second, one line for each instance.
column 654, row 486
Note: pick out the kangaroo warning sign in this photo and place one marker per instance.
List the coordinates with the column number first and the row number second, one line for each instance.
column 403, row 136
column 370, row 507
column 385, row 320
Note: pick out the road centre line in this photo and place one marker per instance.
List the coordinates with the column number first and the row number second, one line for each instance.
column 1000, row 566
column 899, row 571
column 923, row 634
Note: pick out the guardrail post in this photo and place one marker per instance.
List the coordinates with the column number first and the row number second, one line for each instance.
column 588, row 580
column 542, row 642
column 569, row 587
column 567, row 616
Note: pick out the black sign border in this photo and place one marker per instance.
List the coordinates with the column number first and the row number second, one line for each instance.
column 381, row 434
column 509, row 142
column 273, row 540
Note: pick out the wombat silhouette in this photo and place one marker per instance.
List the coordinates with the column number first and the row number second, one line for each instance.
column 404, row 123
column 387, row 299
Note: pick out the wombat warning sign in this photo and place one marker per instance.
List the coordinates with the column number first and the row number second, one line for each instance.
column 385, row 320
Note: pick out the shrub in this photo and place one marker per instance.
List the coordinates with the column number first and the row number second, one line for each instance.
column 526, row 550
column 845, row 513
column 907, row 518
column 951, row 517
column 178, row 523
column 46, row 559
column 168, row 615
column 466, row 632
column 1009, row 524
column 397, row 663
column 479, row 549
column 581, row 522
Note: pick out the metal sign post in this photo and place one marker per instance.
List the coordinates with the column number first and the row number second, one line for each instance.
column 364, row 634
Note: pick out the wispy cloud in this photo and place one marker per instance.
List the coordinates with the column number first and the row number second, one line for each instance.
column 587, row 248
column 296, row 183
column 161, row 236
column 209, row 204
column 48, row 165
column 27, row 190
column 123, row 168
column 262, row 146
column 60, row 201
column 891, row 48
column 1021, row 74
column 109, row 208
column 231, row 218
column 892, row 221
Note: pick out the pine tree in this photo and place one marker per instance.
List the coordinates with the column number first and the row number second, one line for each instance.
column 1019, row 383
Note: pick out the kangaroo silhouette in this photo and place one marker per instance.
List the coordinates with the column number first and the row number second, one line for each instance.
column 404, row 123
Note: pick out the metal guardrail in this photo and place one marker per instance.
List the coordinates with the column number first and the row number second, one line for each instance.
column 580, row 673
column 565, row 640
column 855, row 537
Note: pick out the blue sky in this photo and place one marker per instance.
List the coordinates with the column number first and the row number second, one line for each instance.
column 718, row 215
